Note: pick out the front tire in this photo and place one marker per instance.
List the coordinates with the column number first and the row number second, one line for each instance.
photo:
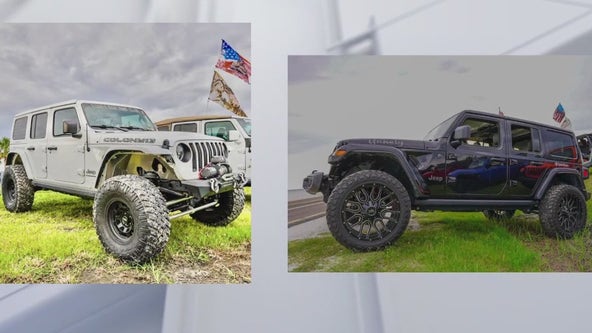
column 131, row 218
column 17, row 191
column 229, row 207
column 563, row 211
column 368, row 210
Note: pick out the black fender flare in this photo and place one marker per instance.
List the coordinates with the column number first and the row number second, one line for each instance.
column 552, row 174
column 418, row 185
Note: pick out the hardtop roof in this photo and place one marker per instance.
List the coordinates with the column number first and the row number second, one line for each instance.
column 529, row 122
column 70, row 102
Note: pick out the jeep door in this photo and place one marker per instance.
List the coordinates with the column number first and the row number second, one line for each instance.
column 65, row 152
column 477, row 167
column 37, row 145
column 527, row 164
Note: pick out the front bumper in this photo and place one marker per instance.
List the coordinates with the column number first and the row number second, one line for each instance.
column 315, row 182
column 203, row 188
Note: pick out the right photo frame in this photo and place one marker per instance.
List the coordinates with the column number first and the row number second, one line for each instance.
column 438, row 163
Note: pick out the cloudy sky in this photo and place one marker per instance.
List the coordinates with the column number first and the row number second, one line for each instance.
column 166, row 69
column 333, row 98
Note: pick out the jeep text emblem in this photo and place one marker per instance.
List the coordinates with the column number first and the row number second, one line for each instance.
column 128, row 140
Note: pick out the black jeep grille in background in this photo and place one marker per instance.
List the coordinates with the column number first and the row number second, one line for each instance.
column 203, row 152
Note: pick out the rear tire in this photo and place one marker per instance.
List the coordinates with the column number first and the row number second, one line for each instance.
column 499, row 215
column 368, row 210
column 17, row 191
column 229, row 207
column 131, row 218
column 563, row 211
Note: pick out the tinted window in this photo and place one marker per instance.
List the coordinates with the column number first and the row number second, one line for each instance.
column 39, row 126
column 484, row 133
column 560, row 144
column 20, row 128
column 64, row 115
column 219, row 129
column 525, row 139
column 185, row 128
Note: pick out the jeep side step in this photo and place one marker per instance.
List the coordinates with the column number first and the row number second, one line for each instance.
column 473, row 204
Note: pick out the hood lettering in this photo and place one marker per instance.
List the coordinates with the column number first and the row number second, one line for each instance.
column 130, row 140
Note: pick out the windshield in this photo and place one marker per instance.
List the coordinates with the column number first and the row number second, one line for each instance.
column 439, row 131
column 115, row 116
column 245, row 124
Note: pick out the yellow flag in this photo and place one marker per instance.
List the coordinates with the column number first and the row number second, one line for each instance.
column 221, row 93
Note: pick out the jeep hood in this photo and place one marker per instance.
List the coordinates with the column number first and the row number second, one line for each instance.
column 147, row 137
column 396, row 143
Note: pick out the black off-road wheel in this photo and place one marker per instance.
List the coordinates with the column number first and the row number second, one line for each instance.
column 17, row 191
column 229, row 207
column 562, row 211
column 131, row 218
column 368, row 210
column 499, row 215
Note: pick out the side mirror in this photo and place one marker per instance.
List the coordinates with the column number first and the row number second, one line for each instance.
column 248, row 143
column 460, row 133
column 233, row 135
column 70, row 127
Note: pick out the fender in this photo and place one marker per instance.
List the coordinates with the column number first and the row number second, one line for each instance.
column 418, row 184
column 542, row 189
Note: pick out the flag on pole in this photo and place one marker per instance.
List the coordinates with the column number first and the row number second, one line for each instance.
column 221, row 93
column 566, row 123
column 233, row 63
column 559, row 113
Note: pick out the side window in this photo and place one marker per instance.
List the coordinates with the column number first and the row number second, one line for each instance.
column 484, row 133
column 39, row 126
column 19, row 129
column 185, row 128
column 525, row 139
column 64, row 115
column 560, row 145
column 164, row 128
column 219, row 129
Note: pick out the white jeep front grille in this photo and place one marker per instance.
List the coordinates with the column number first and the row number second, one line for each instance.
column 203, row 151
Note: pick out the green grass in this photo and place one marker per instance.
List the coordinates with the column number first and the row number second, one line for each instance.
column 454, row 242
column 56, row 243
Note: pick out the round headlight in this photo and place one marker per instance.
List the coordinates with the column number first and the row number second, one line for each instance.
column 183, row 152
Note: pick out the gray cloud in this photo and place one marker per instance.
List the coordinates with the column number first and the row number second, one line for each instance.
column 164, row 68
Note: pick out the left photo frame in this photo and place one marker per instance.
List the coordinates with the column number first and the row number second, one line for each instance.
column 125, row 153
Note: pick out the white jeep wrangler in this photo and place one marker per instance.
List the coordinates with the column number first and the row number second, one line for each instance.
column 140, row 178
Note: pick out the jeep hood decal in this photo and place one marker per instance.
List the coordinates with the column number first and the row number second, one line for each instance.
column 397, row 143
column 149, row 137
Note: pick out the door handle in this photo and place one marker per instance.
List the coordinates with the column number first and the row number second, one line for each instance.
column 52, row 148
column 497, row 159
column 30, row 148
column 536, row 163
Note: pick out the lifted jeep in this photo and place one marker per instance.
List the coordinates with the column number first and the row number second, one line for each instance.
column 139, row 178
column 473, row 161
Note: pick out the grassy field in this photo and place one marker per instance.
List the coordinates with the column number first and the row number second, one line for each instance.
column 56, row 243
column 454, row 242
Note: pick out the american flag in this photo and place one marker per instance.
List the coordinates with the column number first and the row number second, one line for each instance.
column 559, row 113
column 233, row 63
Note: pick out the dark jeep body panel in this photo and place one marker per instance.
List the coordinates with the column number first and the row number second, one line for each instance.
column 495, row 163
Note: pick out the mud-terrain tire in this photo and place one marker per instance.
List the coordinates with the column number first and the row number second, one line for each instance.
column 562, row 211
column 229, row 207
column 131, row 218
column 368, row 210
column 17, row 191
column 499, row 215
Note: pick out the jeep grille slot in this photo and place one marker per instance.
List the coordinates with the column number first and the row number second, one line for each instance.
column 205, row 151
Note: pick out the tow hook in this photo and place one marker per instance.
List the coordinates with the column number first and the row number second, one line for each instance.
column 241, row 179
column 215, row 185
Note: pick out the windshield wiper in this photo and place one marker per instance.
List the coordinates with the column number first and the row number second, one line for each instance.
column 134, row 128
column 109, row 127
